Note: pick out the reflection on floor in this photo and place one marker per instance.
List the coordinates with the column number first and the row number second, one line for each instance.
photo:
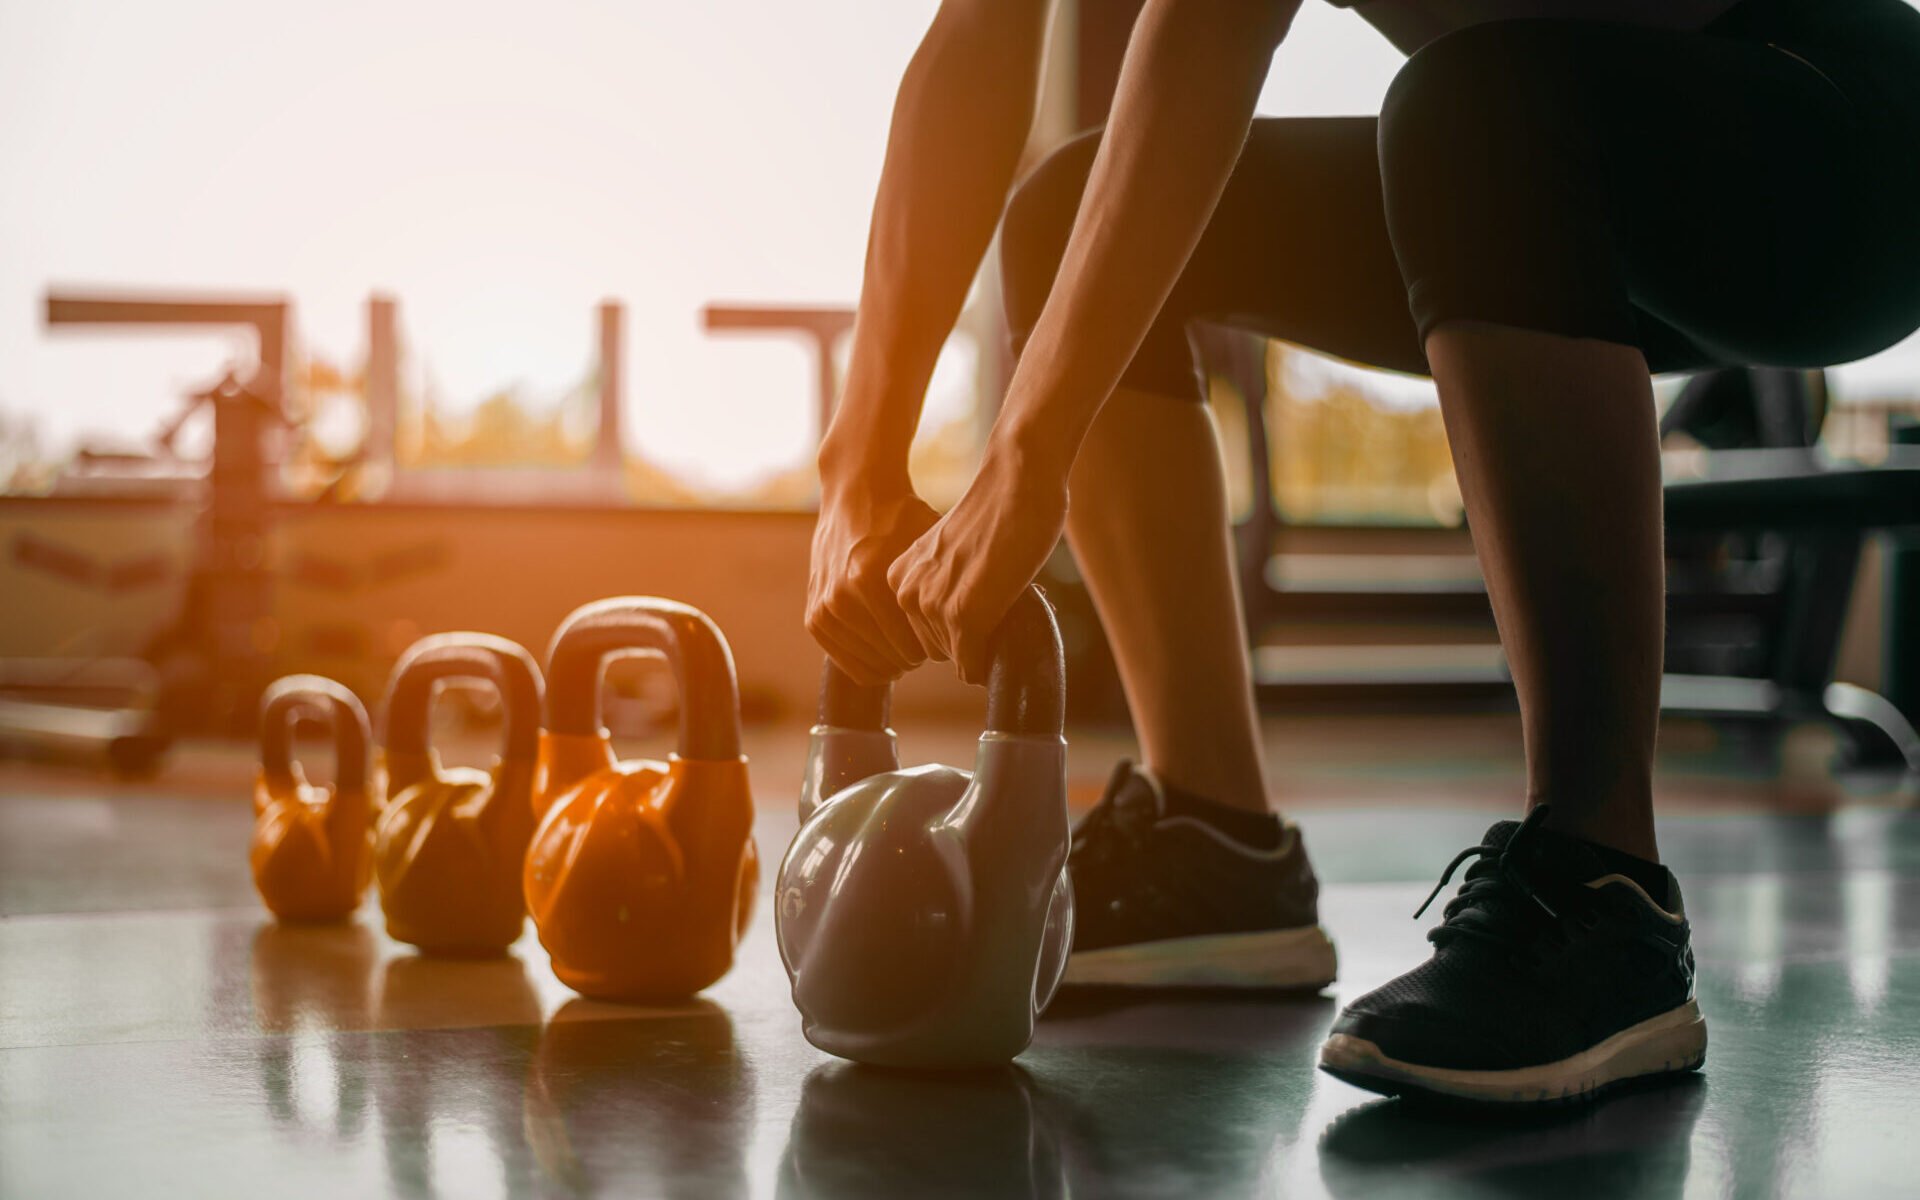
column 160, row 1036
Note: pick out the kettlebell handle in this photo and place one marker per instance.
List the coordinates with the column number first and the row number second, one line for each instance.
column 695, row 651
column 316, row 698
column 504, row 665
column 845, row 704
column 1026, row 681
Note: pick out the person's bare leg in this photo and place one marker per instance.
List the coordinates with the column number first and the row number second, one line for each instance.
column 1556, row 444
column 1149, row 527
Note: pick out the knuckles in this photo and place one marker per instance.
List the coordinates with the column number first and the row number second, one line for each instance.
column 816, row 622
column 864, row 576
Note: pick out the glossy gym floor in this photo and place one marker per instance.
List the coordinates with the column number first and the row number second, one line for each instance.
column 161, row 1036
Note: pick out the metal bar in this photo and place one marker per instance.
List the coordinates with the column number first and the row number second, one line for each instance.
column 1789, row 489
column 823, row 324
column 266, row 315
column 71, row 309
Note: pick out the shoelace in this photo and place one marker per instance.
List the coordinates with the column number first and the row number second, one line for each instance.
column 1096, row 833
column 1477, row 911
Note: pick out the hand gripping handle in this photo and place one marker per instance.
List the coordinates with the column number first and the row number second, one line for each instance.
column 696, row 652
column 503, row 664
column 317, row 698
column 1026, row 682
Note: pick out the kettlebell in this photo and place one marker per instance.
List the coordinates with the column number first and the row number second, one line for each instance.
column 448, row 845
column 641, row 875
column 924, row 915
column 309, row 851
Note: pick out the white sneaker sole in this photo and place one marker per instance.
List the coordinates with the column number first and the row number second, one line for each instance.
column 1276, row 958
column 1671, row 1042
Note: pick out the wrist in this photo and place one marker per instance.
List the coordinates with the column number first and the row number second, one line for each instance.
column 1036, row 449
column 865, row 445
column 849, row 465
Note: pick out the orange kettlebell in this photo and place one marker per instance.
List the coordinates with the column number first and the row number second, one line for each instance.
column 641, row 875
column 447, row 846
column 309, row 851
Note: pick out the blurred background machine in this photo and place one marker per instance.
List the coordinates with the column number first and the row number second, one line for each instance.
column 203, row 669
column 1765, row 542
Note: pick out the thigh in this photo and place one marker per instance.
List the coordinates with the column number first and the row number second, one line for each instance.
column 1724, row 190
column 1298, row 248
column 1757, row 230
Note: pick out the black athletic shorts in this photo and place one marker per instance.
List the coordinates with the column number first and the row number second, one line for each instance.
column 1746, row 194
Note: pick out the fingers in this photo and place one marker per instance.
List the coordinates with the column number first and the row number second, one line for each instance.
column 970, row 656
column 952, row 620
column 916, row 593
column 860, row 626
column 851, row 609
column 965, row 632
column 959, row 577
column 902, row 645
column 847, row 631
column 851, row 658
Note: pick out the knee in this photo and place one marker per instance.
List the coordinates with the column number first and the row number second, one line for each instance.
column 1034, row 231
column 1496, row 196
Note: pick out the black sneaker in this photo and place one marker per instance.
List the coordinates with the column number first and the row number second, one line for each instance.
column 1551, row 980
column 1170, row 901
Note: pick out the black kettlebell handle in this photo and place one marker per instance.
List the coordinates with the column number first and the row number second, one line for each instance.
column 504, row 665
column 695, row 651
column 1026, row 681
column 299, row 698
column 845, row 704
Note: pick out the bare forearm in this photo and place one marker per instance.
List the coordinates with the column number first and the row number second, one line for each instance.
column 959, row 124
column 1186, row 98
